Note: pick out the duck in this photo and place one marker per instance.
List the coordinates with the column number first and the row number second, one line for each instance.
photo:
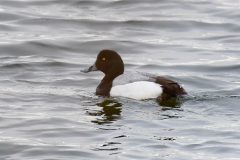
column 132, row 84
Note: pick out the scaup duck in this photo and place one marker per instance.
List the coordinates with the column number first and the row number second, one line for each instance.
column 135, row 85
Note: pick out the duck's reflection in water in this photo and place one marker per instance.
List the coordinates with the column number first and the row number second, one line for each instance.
column 110, row 111
column 174, row 102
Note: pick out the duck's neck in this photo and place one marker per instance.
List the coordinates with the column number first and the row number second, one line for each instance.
column 105, row 86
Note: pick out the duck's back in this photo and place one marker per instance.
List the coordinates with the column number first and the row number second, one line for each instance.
column 132, row 76
column 135, row 85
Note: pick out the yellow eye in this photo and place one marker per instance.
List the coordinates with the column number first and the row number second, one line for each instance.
column 103, row 59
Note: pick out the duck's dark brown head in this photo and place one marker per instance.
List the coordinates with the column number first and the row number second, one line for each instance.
column 109, row 62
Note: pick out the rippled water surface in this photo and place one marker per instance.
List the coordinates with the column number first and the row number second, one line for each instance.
column 48, row 110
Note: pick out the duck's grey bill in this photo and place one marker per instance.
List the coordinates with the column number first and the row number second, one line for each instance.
column 90, row 69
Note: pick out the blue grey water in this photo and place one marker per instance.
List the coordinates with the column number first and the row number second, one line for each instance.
column 48, row 110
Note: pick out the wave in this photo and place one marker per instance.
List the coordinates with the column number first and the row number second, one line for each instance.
column 39, row 64
column 174, row 24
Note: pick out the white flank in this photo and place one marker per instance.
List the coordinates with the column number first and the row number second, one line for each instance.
column 137, row 90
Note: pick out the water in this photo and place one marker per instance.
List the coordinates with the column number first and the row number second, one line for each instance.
column 48, row 109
